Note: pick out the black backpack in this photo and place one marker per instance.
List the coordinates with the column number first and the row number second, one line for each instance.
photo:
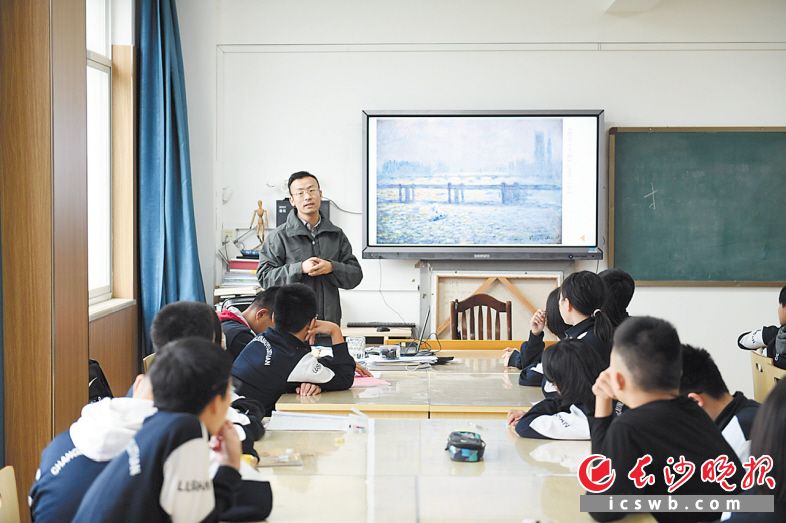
column 98, row 385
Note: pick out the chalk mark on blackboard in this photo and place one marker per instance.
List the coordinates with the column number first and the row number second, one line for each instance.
column 651, row 194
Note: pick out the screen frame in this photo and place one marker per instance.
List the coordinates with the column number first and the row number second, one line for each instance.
column 457, row 252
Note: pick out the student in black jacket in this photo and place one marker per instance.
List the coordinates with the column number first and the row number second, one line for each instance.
column 702, row 382
column 164, row 472
column 582, row 296
column 619, row 291
column 280, row 360
column 768, row 437
column 528, row 358
column 573, row 370
column 645, row 369
column 765, row 338
column 240, row 327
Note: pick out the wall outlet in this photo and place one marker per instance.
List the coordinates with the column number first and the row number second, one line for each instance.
column 228, row 236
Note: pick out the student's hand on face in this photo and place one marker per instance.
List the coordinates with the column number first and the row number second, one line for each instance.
column 514, row 416
column 307, row 266
column 226, row 444
column 321, row 267
column 142, row 390
column 308, row 389
column 362, row 371
column 538, row 322
column 602, row 387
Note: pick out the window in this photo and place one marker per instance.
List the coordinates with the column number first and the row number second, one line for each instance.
column 99, row 151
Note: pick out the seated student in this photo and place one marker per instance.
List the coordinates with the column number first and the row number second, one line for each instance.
column 164, row 472
column 280, row 360
column 573, row 370
column 702, row 382
column 644, row 373
column 765, row 337
column 74, row 458
column 582, row 296
column 241, row 327
column 768, row 437
column 619, row 291
column 184, row 319
column 529, row 358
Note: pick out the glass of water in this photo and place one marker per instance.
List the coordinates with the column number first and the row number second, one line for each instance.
column 357, row 347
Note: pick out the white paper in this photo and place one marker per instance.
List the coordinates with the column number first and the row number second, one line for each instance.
column 298, row 421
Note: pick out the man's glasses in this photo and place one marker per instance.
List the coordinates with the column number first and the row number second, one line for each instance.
column 310, row 191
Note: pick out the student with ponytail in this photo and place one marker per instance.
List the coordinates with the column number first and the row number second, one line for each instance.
column 581, row 300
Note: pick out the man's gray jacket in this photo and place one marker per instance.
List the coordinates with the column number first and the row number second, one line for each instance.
column 290, row 244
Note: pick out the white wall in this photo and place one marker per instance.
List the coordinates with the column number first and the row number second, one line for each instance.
column 292, row 77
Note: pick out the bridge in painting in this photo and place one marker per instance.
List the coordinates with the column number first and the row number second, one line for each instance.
column 454, row 193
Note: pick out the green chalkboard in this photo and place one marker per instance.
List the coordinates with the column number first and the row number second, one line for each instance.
column 698, row 205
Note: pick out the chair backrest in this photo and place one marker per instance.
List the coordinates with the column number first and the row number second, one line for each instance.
column 761, row 385
column 773, row 375
column 471, row 309
column 147, row 361
column 9, row 500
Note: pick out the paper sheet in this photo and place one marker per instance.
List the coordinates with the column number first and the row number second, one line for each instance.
column 298, row 421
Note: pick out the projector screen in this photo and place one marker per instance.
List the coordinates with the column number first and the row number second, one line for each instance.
column 482, row 184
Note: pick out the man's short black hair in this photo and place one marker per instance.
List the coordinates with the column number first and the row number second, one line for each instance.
column 700, row 374
column 650, row 348
column 265, row 299
column 295, row 307
column 188, row 374
column 183, row 319
column 782, row 296
column 619, row 291
column 297, row 176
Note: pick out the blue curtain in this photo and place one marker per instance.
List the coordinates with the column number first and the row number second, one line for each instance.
column 169, row 261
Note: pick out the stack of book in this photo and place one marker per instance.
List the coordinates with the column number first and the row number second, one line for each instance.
column 241, row 272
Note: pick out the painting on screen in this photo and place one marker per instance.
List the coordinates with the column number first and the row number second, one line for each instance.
column 469, row 181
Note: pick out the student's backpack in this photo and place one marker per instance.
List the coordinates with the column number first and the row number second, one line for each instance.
column 98, row 385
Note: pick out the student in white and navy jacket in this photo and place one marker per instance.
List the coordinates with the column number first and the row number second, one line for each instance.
column 280, row 360
column 71, row 462
column 164, row 473
column 733, row 414
column 573, row 370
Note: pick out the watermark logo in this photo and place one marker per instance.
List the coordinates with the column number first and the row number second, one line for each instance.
column 596, row 474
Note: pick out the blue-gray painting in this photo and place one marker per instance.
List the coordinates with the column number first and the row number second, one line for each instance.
column 469, row 181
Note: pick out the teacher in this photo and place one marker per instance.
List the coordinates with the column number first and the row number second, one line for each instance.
column 309, row 249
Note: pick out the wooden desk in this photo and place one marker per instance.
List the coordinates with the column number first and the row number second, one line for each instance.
column 405, row 397
column 398, row 471
column 473, row 385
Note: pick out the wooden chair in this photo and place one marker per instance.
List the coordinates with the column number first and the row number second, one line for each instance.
column 761, row 386
column 147, row 361
column 9, row 500
column 467, row 308
column 773, row 375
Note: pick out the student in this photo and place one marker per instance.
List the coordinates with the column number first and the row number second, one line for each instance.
column 198, row 319
column 582, row 296
column 702, row 382
column 280, row 359
column 645, row 375
column 74, row 458
column 573, row 370
column 163, row 474
column 619, row 291
column 768, row 437
column 528, row 359
column 765, row 337
column 241, row 327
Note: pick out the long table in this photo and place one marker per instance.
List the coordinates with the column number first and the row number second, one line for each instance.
column 476, row 384
column 398, row 471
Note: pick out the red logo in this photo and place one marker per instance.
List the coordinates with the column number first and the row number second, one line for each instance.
column 595, row 474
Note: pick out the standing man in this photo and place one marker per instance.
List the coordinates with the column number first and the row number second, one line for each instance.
column 309, row 249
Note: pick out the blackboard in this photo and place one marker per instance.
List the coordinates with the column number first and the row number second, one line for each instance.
column 698, row 205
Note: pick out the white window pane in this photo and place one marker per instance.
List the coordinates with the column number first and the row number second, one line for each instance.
column 99, row 186
column 97, row 31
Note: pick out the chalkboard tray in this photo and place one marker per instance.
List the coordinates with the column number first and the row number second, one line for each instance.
column 698, row 206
